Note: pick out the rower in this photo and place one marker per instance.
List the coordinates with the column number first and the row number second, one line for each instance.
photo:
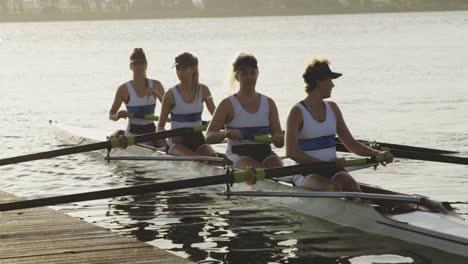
column 245, row 114
column 310, row 134
column 139, row 96
column 184, row 102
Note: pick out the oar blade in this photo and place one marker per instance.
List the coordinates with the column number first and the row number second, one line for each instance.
column 55, row 153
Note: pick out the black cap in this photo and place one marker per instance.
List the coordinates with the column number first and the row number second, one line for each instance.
column 322, row 70
column 186, row 60
column 318, row 70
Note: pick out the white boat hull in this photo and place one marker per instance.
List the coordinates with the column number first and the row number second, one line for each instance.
column 443, row 231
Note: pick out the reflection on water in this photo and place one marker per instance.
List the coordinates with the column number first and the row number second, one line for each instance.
column 206, row 228
column 405, row 79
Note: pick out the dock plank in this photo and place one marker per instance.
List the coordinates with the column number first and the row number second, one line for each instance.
column 42, row 235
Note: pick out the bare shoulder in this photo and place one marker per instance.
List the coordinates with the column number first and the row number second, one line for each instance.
column 205, row 90
column 225, row 104
column 270, row 101
column 334, row 106
column 157, row 84
column 169, row 95
column 295, row 112
column 122, row 90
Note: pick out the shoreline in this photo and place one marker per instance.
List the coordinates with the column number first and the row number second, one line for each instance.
column 212, row 13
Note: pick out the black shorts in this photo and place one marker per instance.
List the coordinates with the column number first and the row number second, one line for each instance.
column 193, row 141
column 258, row 152
column 142, row 129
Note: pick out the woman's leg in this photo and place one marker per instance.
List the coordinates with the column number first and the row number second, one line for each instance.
column 272, row 161
column 181, row 150
column 320, row 183
column 206, row 150
column 346, row 182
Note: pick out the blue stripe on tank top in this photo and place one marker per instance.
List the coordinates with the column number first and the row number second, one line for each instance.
column 141, row 109
column 317, row 143
column 253, row 131
column 193, row 117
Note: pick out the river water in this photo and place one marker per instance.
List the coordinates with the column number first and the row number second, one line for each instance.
column 405, row 81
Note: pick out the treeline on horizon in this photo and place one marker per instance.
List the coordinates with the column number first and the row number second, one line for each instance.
column 135, row 8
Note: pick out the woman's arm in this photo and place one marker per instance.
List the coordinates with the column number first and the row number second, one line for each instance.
column 208, row 99
column 347, row 138
column 222, row 115
column 120, row 97
column 167, row 103
column 159, row 91
column 275, row 124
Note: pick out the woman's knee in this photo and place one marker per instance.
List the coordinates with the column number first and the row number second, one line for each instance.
column 319, row 183
column 247, row 161
column 272, row 161
column 346, row 182
column 206, row 150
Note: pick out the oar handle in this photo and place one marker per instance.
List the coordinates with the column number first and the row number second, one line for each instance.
column 123, row 142
column 261, row 174
column 150, row 117
column 261, row 138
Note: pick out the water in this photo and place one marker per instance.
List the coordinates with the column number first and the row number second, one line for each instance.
column 405, row 81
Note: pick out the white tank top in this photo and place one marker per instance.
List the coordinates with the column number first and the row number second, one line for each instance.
column 317, row 139
column 250, row 124
column 139, row 105
column 185, row 114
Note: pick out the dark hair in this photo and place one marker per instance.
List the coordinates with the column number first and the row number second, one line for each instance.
column 315, row 71
column 138, row 55
column 244, row 59
column 186, row 60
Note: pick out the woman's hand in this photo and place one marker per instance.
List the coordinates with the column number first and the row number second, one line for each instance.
column 340, row 163
column 121, row 114
column 277, row 140
column 388, row 157
column 233, row 134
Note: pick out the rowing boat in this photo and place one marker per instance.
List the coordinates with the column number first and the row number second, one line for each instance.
column 412, row 218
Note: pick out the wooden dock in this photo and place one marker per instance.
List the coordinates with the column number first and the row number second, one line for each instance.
column 43, row 235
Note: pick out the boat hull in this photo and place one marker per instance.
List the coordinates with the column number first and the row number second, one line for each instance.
column 445, row 231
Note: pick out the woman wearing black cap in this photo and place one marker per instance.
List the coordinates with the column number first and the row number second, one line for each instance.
column 184, row 102
column 245, row 114
column 311, row 129
column 139, row 96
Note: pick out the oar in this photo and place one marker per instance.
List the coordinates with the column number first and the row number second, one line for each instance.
column 382, row 145
column 152, row 117
column 167, row 158
column 404, row 147
column 145, row 117
column 229, row 177
column 424, row 154
column 261, row 138
column 120, row 142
